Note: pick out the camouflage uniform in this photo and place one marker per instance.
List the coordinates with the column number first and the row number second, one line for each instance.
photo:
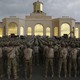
column 12, row 62
column 73, row 61
column 28, row 62
column 17, row 52
column 0, row 62
column 56, row 55
column 63, row 60
column 5, row 59
column 49, row 59
column 36, row 54
column 44, row 53
column 78, row 60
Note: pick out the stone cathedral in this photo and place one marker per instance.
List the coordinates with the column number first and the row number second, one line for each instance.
column 38, row 23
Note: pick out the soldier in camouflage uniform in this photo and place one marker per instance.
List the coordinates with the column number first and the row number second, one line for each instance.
column 57, row 48
column 0, row 61
column 78, row 59
column 73, row 61
column 36, row 54
column 45, row 51
column 12, row 61
column 28, row 61
column 63, row 59
column 5, row 59
column 49, row 59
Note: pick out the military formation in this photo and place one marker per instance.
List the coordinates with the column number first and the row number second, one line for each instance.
column 60, row 55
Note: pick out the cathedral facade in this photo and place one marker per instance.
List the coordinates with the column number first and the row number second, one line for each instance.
column 38, row 23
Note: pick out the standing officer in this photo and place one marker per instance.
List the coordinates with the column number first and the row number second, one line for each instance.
column 12, row 62
column 36, row 54
column 45, row 52
column 28, row 61
column 63, row 59
column 73, row 61
column 0, row 61
column 49, row 59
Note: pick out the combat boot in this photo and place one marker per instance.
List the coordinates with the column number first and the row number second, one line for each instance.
column 75, row 76
column 69, row 75
column 15, row 77
column 30, row 76
column 65, row 76
column 45, row 76
column 8, row 77
column 52, row 75
column 59, row 76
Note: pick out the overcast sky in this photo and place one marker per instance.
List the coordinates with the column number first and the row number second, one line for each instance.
column 54, row 8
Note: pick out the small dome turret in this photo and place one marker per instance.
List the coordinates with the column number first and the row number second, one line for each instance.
column 38, row 7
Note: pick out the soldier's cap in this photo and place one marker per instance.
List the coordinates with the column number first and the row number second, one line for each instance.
column 28, row 45
column 50, row 45
column 63, row 44
column 36, row 44
column 73, row 45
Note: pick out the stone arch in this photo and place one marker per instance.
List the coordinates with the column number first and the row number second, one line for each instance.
column 12, row 28
column 38, row 30
column 1, row 31
column 65, row 29
column 56, row 31
column 77, row 32
column 48, row 31
column 29, row 31
column 21, row 30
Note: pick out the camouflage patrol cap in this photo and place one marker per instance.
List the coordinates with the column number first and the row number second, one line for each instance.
column 36, row 44
column 11, row 43
column 63, row 44
column 45, row 43
column 73, row 45
column 28, row 44
column 50, row 44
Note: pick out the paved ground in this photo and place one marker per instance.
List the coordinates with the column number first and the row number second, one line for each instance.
column 38, row 75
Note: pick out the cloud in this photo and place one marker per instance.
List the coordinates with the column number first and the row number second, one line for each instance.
column 54, row 8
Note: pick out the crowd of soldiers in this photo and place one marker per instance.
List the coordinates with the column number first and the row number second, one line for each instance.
column 62, row 54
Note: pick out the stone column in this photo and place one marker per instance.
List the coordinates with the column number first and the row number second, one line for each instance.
column 74, row 31
column 79, row 33
column 44, row 31
column 18, row 30
column 6, row 30
column 71, row 32
column 33, row 30
column 25, row 31
column 51, row 31
column 59, row 30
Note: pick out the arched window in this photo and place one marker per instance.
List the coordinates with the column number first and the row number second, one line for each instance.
column 65, row 29
column 1, row 32
column 21, row 30
column 55, row 31
column 47, row 31
column 38, row 30
column 12, row 28
column 76, row 32
column 29, row 31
